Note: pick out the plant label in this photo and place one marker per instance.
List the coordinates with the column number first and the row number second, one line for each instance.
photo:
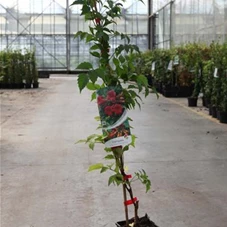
column 153, row 66
column 113, row 115
column 216, row 73
column 176, row 60
column 170, row 66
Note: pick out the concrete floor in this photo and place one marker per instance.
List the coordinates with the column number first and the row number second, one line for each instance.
column 44, row 178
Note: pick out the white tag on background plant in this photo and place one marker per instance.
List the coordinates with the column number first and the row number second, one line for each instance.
column 216, row 73
column 153, row 66
column 170, row 66
column 176, row 60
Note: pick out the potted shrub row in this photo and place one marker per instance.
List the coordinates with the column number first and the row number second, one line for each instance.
column 190, row 70
column 18, row 69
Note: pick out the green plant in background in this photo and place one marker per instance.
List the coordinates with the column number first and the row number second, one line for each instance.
column 28, row 69
column 17, row 57
column 2, row 67
column 223, row 89
column 217, row 55
column 115, row 69
column 35, row 75
column 208, row 79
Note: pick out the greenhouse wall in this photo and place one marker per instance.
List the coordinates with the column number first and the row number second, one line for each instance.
column 182, row 21
column 49, row 26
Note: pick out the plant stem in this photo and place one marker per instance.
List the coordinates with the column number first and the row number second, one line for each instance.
column 127, row 186
column 126, row 208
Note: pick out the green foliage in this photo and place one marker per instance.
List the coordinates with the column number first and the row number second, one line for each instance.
column 17, row 67
column 115, row 70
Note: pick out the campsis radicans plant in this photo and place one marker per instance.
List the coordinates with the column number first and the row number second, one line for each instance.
column 114, row 94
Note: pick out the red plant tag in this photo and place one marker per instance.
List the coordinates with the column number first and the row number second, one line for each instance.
column 129, row 202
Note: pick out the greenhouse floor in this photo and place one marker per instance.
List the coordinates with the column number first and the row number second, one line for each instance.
column 44, row 178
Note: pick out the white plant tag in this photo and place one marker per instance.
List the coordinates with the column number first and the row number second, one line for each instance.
column 176, row 60
column 153, row 66
column 216, row 73
column 170, row 66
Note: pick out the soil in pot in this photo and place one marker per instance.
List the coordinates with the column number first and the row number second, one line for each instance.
column 143, row 222
column 192, row 101
column 223, row 117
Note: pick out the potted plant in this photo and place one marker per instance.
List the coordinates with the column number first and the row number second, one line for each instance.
column 28, row 70
column 222, row 108
column 115, row 68
column 35, row 75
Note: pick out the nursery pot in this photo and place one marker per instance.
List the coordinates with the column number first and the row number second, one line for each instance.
column 210, row 110
column 192, row 101
column 143, row 222
column 223, row 117
column 214, row 111
column 35, row 84
column 28, row 85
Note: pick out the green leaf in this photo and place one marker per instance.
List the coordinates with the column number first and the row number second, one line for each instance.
column 111, row 180
column 97, row 118
column 85, row 65
column 133, row 140
column 89, row 38
column 81, row 141
column 77, row 2
column 104, row 169
column 95, row 167
column 94, row 47
column 93, row 87
column 91, row 145
column 93, row 96
column 142, row 80
column 93, row 75
column 82, row 81
column 109, row 156
column 95, row 54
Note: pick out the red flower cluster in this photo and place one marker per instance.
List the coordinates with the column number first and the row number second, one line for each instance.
column 111, row 95
column 100, row 100
column 114, row 109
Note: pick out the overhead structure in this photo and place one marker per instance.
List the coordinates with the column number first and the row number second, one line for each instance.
column 183, row 21
column 49, row 27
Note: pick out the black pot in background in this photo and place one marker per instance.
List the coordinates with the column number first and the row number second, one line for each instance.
column 207, row 102
column 218, row 114
column 192, row 101
column 214, row 111
column 149, row 79
column 223, row 117
column 210, row 110
column 28, row 85
column 35, row 84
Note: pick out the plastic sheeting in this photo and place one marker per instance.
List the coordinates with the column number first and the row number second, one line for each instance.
column 184, row 21
column 49, row 26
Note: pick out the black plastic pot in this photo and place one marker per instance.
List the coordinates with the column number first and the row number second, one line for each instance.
column 28, row 85
column 214, row 111
column 35, row 84
column 184, row 91
column 223, row 117
column 210, row 110
column 192, row 101
column 170, row 91
column 143, row 222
